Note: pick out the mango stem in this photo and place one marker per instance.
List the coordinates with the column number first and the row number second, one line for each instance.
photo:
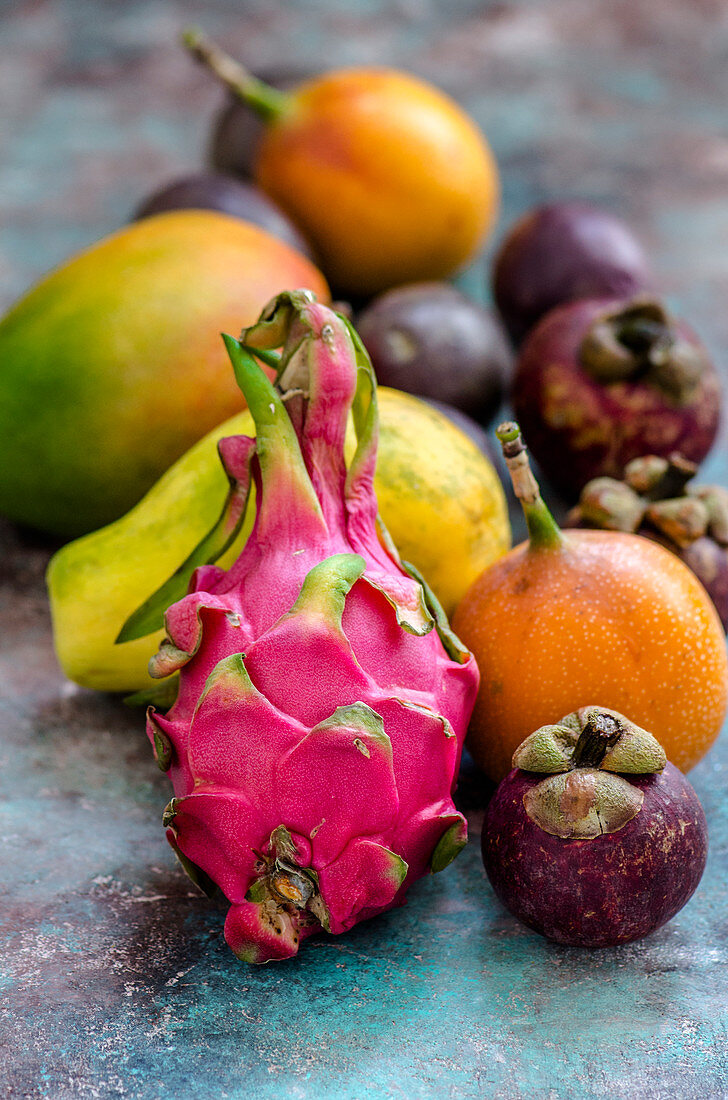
column 543, row 530
column 267, row 102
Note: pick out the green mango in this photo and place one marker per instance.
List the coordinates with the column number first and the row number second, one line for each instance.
column 438, row 495
column 97, row 581
column 112, row 366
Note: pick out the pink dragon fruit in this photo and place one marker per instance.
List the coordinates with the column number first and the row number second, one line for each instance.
column 315, row 738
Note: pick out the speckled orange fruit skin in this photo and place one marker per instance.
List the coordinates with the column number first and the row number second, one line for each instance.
column 389, row 178
column 610, row 619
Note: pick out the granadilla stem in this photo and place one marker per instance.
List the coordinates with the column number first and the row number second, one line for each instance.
column 267, row 102
column 543, row 530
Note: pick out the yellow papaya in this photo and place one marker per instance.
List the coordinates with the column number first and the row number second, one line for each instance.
column 112, row 366
column 438, row 495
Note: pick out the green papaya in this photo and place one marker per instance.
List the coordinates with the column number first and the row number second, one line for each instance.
column 112, row 366
column 438, row 495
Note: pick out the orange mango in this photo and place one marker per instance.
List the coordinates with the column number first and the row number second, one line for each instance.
column 113, row 366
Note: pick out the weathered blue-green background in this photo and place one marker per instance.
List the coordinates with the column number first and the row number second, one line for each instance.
column 115, row 978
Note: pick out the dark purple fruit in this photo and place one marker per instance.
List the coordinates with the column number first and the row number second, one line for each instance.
column 599, row 383
column 560, row 252
column 431, row 340
column 211, row 191
column 593, row 839
column 236, row 130
column 657, row 501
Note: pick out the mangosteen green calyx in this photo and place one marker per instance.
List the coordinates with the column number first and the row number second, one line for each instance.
column 657, row 500
column 594, row 838
column 601, row 382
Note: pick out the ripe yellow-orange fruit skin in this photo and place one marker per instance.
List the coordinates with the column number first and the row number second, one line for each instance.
column 390, row 180
column 607, row 619
column 113, row 366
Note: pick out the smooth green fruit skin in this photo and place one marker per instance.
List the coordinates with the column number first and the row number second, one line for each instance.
column 112, row 366
column 95, row 582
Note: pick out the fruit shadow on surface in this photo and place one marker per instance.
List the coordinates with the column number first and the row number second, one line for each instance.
column 451, row 965
column 134, row 963
column 114, row 961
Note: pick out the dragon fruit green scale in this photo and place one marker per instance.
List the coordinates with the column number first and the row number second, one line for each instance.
column 322, row 699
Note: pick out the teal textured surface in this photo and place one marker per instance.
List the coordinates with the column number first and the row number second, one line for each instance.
column 118, row 982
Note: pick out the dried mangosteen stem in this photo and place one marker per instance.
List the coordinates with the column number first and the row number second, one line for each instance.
column 543, row 530
column 656, row 478
column 639, row 341
column 267, row 102
column 675, row 479
column 653, row 490
column 600, row 732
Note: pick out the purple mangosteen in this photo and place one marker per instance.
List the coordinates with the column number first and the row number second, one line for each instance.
column 594, row 839
column 601, row 382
